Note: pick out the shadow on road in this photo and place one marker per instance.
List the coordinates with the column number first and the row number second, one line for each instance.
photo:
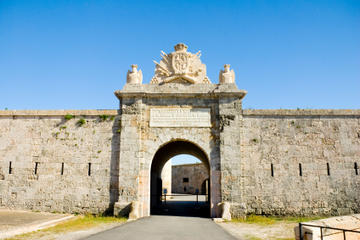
column 182, row 208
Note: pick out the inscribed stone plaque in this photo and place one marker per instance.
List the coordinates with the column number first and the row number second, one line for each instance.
column 180, row 117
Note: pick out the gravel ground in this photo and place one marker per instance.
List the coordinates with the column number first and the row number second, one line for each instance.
column 247, row 231
column 76, row 235
column 14, row 222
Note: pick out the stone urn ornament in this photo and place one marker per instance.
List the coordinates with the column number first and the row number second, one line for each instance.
column 226, row 75
column 134, row 76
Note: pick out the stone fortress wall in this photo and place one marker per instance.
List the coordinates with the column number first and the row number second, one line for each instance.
column 186, row 178
column 298, row 162
column 48, row 163
column 264, row 180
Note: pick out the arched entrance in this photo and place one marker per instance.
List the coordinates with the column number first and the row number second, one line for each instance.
column 164, row 153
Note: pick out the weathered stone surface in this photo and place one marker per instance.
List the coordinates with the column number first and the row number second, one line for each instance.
column 47, row 138
column 287, row 138
column 225, row 210
column 135, row 210
column 180, row 117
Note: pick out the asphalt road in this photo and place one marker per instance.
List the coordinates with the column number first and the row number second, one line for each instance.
column 166, row 228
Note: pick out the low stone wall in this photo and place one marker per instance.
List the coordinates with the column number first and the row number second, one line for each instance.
column 49, row 163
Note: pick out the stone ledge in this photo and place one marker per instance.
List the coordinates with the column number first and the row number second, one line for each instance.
column 57, row 112
column 301, row 112
column 180, row 90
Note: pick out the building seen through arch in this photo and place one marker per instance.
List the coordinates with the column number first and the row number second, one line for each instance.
column 185, row 187
column 190, row 178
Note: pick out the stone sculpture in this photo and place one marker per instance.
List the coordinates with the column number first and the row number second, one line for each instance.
column 226, row 75
column 134, row 76
column 180, row 67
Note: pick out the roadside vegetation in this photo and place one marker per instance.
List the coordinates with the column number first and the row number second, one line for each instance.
column 257, row 227
column 268, row 220
column 78, row 223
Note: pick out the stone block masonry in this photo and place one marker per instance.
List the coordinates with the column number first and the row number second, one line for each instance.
column 299, row 162
column 302, row 162
column 50, row 163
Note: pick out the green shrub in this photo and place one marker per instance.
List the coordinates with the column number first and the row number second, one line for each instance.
column 69, row 117
column 103, row 117
column 81, row 122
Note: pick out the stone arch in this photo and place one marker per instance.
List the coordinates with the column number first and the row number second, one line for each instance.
column 165, row 137
column 164, row 153
column 187, row 147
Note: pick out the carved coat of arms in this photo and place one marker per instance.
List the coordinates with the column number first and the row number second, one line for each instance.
column 181, row 67
column 180, row 62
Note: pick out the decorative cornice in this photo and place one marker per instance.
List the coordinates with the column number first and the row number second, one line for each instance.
column 179, row 90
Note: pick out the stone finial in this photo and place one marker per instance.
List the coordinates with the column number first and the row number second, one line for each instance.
column 180, row 66
column 226, row 75
column 180, row 47
column 134, row 76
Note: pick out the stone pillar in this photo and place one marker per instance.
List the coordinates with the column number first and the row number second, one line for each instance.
column 130, row 154
column 230, row 120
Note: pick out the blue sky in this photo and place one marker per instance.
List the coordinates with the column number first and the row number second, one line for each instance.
column 183, row 159
column 74, row 54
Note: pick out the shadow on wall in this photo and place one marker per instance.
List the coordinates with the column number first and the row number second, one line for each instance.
column 114, row 165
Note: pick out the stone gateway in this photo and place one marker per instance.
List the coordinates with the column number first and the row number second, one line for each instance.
column 297, row 162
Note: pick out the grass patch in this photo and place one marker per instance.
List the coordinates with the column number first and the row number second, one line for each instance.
column 269, row 220
column 68, row 117
column 75, row 224
column 250, row 237
column 81, row 122
column 255, row 219
column 103, row 117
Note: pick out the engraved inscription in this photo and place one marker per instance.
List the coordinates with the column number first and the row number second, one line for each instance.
column 180, row 117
